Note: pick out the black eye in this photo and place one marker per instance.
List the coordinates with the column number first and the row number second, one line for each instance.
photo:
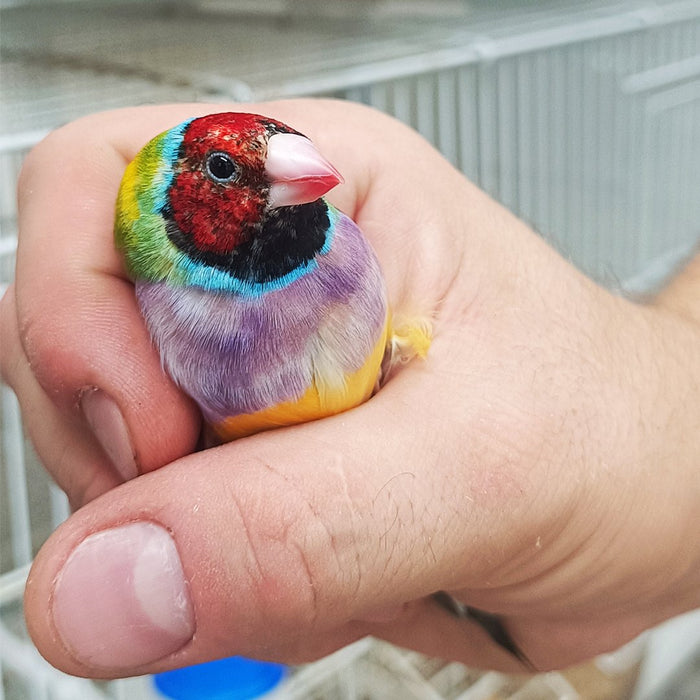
column 220, row 167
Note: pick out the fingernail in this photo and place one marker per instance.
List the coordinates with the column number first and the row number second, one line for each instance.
column 108, row 426
column 121, row 600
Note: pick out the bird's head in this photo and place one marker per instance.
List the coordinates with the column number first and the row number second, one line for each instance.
column 203, row 191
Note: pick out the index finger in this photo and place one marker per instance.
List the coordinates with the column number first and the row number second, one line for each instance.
column 78, row 321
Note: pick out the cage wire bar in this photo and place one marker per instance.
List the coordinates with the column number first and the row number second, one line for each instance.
column 583, row 118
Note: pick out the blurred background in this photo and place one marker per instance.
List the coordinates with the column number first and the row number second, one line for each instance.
column 581, row 117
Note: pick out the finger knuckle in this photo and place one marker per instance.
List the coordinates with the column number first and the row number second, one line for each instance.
column 293, row 564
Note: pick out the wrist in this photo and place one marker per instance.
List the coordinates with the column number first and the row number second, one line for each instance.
column 635, row 524
column 669, row 453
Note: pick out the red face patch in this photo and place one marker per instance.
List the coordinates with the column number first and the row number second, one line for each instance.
column 219, row 191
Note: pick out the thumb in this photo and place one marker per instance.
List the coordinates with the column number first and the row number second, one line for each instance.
column 274, row 547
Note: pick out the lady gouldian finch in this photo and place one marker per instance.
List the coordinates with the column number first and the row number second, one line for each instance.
column 267, row 304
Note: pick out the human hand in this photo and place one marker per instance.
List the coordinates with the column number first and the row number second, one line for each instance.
column 541, row 464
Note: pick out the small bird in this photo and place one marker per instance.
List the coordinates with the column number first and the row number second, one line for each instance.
column 267, row 304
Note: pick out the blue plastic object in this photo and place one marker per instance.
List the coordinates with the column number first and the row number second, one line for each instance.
column 235, row 678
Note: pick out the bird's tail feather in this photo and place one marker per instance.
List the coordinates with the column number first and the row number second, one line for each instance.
column 409, row 337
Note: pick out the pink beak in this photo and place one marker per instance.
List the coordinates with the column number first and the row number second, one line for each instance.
column 296, row 171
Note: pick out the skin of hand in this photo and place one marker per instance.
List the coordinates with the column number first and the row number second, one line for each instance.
column 542, row 463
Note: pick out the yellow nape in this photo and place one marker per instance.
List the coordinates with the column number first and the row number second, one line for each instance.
column 127, row 203
column 317, row 402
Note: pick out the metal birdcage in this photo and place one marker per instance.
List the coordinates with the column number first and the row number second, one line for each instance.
column 581, row 117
